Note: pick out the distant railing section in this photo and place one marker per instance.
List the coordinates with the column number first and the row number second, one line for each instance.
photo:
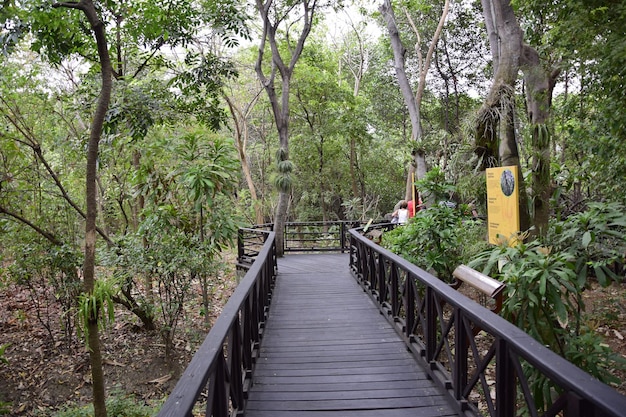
column 318, row 236
column 330, row 236
column 485, row 372
column 219, row 374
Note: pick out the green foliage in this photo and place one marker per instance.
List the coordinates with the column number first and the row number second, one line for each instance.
column 117, row 405
column 436, row 239
column 540, row 287
column 200, row 86
column 97, row 306
column 3, row 348
column 545, row 286
column 434, row 186
column 595, row 238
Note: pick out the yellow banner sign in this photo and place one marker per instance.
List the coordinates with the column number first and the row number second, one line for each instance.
column 503, row 204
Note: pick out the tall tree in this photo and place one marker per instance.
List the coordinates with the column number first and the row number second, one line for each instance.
column 411, row 99
column 510, row 55
column 273, row 15
column 95, row 132
column 496, row 140
column 59, row 33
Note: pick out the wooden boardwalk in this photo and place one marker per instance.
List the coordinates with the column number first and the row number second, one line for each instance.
column 328, row 352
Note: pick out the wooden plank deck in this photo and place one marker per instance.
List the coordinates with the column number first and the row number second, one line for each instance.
column 328, row 352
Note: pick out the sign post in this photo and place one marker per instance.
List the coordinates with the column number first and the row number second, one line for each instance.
column 503, row 204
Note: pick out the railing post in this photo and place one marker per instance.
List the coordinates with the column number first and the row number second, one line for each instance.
column 460, row 355
column 431, row 324
column 217, row 397
column 240, row 244
column 382, row 279
column 578, row 407
column 234, row 366
column 505, row 380
column 342, row 237
column 371, row 268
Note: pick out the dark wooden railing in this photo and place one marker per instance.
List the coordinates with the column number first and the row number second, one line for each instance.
column 218, row 375
column 484, row 372
column 329, row 236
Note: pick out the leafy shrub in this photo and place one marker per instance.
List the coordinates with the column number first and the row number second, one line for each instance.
column 545, row 281
column 542, row 295
column 434, row 186
column 437, row 239
column 596, row 238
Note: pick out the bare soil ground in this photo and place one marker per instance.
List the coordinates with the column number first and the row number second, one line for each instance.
column 42, row 376
column 606, row 311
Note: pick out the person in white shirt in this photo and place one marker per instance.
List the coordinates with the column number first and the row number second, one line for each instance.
column 402, row 214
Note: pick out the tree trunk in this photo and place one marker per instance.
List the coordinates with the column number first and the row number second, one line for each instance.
column 240, row 122
column 399, row 52
column 539, row 84
column 408, row 192
column 496, row 141
column 412, row 101
column 97, row 374
column 280, row 109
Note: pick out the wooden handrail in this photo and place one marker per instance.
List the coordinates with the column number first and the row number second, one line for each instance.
column 315, row 236
column 437, row 324
column 223, row 365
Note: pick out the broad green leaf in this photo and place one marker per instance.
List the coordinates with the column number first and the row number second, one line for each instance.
column 586, row 239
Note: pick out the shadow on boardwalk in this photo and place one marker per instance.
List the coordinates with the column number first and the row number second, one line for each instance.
column 327, row 351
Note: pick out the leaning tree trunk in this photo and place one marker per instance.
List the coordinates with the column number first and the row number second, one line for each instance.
column 240, row 123
column 412, row 101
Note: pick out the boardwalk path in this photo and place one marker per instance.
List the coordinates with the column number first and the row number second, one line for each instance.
column 327, row 351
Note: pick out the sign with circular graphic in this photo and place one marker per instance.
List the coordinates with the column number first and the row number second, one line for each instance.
column 503, row 204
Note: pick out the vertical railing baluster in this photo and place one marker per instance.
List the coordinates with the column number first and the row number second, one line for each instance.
column 395, row 289
column 371, row 268
column 409, row 305
column 240, row 243
column 217, row 401
column 382, row 279
column 234, row 363
column 248, row 338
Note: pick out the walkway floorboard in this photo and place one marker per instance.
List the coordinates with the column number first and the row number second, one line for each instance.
column 327, row 351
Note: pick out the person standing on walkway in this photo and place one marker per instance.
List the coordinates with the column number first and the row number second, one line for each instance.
column 402, row 213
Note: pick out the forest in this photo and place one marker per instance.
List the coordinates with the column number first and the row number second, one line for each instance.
column 137, row 137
